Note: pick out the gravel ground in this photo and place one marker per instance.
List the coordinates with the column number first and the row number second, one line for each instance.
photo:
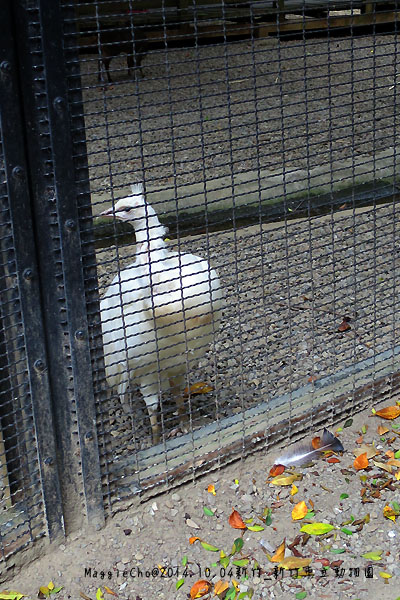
column 286, row 292
column 158, row 532
column 205, row 113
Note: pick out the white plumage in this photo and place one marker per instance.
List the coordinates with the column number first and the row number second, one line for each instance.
column 158, row 313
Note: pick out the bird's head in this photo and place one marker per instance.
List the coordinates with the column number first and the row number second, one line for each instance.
column 143, row 217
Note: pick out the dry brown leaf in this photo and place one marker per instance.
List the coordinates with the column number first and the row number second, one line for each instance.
column 383, row 466
column 299, row 511
column 236, row 521
column 389, row 412
column 389, row 453
column 360, row 439
column 344, row 325
column 279, row 553
column 316, row 442
column 368, row 449
column 361, row 461
column 382, row 429
column 293, row 562
column 200, row 589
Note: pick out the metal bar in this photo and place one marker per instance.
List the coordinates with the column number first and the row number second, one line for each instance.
column 66, row 198
column 19, row 195
column 58, row 245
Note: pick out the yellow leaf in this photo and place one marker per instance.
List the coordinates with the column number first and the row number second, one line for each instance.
column 397, row 475
column 44, row 590
column 383, row 466
column 50, row 585
column 99, row 594
column 220, row 587
column 107, row 589
column 279, row 553
column 389, row 412
column 294, row 562
column 294, row 490
column 284, row 479
column 235, row 585
column 211, row 489
column 389, row 513
column 385, row 575
column 11, row 595
column 299, row 511
column 199, row 388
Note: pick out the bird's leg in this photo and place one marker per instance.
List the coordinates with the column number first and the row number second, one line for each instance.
column 176, row 387
column 150, row 392
column 155, row 428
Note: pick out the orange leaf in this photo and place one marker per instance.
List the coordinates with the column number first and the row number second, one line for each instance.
column 279, row 553
column 220, row 587
column 393, row 462
column 193, row 539
column 236, row 521
column 382, row 429
column 276, row 470
column 200, row 588
column 389, row 412
column 211, row 489
column 311, row 503
column 389, row 453
column 333, row 460
column 299, row 511
column 361, row 462
column 316, row 442
column 360, row 439
column 109, row 591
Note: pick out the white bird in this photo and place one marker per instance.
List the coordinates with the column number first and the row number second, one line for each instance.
column 158, row 314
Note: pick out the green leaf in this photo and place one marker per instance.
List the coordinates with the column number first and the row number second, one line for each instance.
column 310, row 514
column 209, row 547
column 224, row 562
column 243, row 562
column 256, row 528
column 346, row 531
column 364, row 429
column 180, row 583
column 208, row 511
column 56, row 590
column 337, row 550
column 317, row 528
column 300, row 595
column 396, row 506
column 230, row 594
column 99, row 594
column 184, row 561
column 397, row 454
column 348, row 423
column 343, row 496
column 373, row 555
column 237, row 545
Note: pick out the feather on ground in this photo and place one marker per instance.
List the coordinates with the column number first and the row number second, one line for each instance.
column 303, row 453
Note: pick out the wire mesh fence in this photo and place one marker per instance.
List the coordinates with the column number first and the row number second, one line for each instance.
column 264, row 139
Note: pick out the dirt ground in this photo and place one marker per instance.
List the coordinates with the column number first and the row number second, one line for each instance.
column 206, row 112
column 155, row 535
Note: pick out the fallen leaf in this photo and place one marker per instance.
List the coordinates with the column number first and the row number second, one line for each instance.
column 192, row 524
column 279, row 553
column 193, row 539
column 368, row 449
column 301, row 595
column 284, row 479
column 209, row 547
column 207, row 511
column 237, row 546
column 109, row 591
column 389, row 412
column 317, row 528
column 11, row 595
column 211, row 489
column 82, row 595
column 394, row 462
column 255, row 528
column 385, row 575
column 373, row 555
column 382, row 429
column 348, row 423
column 99, row 594
column 397, row 475
column 316, row 442
column 179, row 583
column 299, row 511
column 389, row 454
column 344, row 325
column 276, row 470
column 361, row 462
column 200, row 589
column 198, row 388
column 293, row 562
column 360, row 439
column 294, row 490
column 236, row 521
column 333, row 460
column 220, row 587
column 383, row 466
column 389, row 513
